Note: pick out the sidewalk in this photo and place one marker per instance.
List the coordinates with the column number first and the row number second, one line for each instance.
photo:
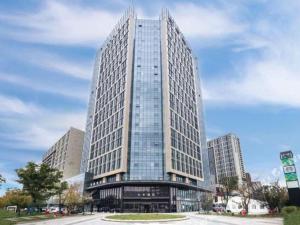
column 64, row 220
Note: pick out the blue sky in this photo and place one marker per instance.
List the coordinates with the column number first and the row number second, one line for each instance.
column 248, row 51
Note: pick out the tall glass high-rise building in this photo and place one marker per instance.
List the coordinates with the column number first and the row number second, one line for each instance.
column 145, row 142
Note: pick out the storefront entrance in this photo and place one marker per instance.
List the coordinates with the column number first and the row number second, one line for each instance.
column 147, row 198
column 146, row 207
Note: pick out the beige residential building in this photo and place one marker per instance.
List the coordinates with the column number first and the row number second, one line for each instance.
column 65, row 154
column 227, row 154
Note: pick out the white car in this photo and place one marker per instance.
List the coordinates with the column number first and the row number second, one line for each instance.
column 55, row 209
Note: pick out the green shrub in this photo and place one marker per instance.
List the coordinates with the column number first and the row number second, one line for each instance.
column 292, row 218
column 4, row 214
column 289, row 209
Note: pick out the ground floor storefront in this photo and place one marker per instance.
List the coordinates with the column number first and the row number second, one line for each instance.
column 146, row 197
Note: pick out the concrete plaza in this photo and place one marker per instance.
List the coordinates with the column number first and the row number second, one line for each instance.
column 194, row 219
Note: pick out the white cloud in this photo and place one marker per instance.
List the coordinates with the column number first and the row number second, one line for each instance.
column 79, row 69
column 29, row 127
column 261, row 82
column 75, row 24
column 10, row 184
column 276, row 172
column 10, row 178
column 269, row 176
column 46, row 87
column 13, row 105
column 271, row 76
column 58, row 23
column 37, row 129
column 41, row 131
column 205, row 22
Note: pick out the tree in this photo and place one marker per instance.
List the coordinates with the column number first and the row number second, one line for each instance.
column 246, row 191
column 229, row 184
column 275, row 196
column 18, row 198
column 60, row 188
column 258, row 194
column 72, row 197
column 3, row 202
column 2, row 180
column 39, row 181
column 207, row 202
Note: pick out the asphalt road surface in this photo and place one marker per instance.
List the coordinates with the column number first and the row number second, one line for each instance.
column 194, row 219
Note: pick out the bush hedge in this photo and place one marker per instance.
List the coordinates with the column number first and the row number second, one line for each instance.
column 289, row 209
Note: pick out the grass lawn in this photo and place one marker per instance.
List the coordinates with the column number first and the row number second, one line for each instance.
column 239, row 215
column 252, row 215
column 292, row 218
column 4, row 215
column 145, row 216
column 10, row 218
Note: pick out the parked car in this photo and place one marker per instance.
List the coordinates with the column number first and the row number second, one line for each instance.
column 54, row 209
column 77, row 210
column 45, row 209
column 115, row 210
column 218, row 207
column 104, row 209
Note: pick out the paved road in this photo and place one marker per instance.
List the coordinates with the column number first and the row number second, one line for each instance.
column 194, row 219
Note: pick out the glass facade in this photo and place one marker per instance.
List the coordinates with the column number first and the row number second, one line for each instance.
column 146, row 143
column 90, row 115
column 146, row 133
column 185, row 135
column 108, row 120
column 107, row 199
column 184, row 200
column 147, row 198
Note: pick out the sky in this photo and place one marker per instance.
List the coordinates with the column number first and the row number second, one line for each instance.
column 249, row 60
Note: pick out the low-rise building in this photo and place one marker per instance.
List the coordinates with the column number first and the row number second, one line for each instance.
column 255, row 207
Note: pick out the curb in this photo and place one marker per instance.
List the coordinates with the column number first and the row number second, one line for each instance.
column 146, row 221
